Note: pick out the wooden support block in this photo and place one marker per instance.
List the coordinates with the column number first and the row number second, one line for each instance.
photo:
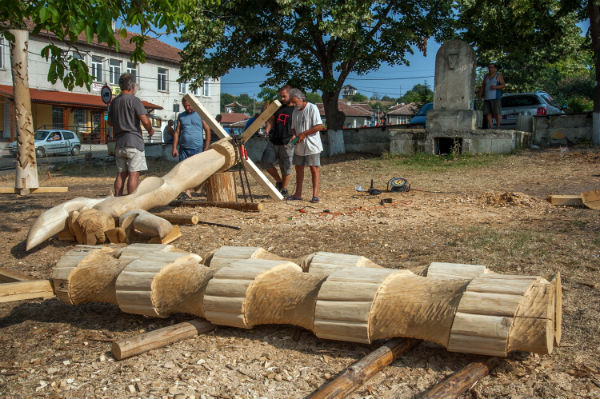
column 357, row 374
column 565, row 200
column 156, row 339
column 220, row 187
column 174, row 234
column 261, row 120
column 591, row 199
column 18, row 291
column 8, row 276
column 240, row 206
column 12, row 190
column 178, row 219
column 459, row 382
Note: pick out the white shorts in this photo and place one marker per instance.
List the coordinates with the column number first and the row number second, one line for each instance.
column 130, row 160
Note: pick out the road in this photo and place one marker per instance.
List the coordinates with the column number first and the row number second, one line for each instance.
column 8, row 162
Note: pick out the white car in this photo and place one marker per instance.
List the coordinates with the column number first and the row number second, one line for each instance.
column 538, row 103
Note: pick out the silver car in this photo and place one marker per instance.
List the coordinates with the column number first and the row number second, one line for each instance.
column 52, row 142
column 539, row 103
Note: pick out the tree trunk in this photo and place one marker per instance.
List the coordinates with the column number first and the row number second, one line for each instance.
column 220, row 187
column 594, row 12
column 334, row 118
column 26, row 173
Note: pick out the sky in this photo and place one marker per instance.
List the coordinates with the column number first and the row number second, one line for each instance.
column 392, row 81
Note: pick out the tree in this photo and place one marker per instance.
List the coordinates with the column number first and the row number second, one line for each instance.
column 314, row 98
column 420, row 93
column 313, row 44
column 359, row 98
column 268, row 94
column 67, row 19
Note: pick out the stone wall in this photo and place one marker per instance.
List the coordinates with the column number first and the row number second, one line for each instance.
column 562, row 129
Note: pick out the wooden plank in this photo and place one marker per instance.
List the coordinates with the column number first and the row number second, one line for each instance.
column 361, row 371
column 240, row 206
column 261, row 120
column 174, row 234
column 21, row 290
column 156, row 339
column 455, row 385
column 38, row 190
column 8, row 276
column 565, row 200
column 262, row 179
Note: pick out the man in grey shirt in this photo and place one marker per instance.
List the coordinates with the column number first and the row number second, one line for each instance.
column 125, row 114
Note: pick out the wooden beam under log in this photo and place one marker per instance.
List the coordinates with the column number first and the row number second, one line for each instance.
column 459, row 382
column 8, row 276
column 21, row 290
column 361, row 371
column 240, row 206
column 158, row 338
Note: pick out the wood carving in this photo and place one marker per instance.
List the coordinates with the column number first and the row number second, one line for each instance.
column 472, row 311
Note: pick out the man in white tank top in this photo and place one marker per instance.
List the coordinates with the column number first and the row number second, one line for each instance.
column 493, row 82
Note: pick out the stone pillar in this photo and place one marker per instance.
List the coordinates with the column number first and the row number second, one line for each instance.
column 453, row 89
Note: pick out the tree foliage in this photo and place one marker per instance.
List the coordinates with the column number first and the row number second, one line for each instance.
column 420, row 93
column 68, row 19
column 312, row 44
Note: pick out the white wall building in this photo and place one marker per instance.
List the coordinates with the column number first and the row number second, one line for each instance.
column 55, row 107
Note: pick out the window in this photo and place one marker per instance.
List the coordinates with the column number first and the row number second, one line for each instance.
column 183, row 88
column 97, row 68
column 196, row 91
column 77, row 56
column 115, row 71
column 206, row 88
column 68, row 135
column 132, row 70
column 58, row 117
column 175, row 107
column 2, row 52
column 162, row 79
column 79, row 117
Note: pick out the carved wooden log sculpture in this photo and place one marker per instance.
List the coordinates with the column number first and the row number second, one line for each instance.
column 152, row 191
column 472, row 310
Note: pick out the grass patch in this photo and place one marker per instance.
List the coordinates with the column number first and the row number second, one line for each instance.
column 429, row 162
column 509, row 242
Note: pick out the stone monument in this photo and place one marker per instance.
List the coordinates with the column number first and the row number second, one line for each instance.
column 453, row 90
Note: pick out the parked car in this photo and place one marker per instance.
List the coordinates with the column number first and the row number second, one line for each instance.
column 537, row 103
column 420, row 117
column 52, row 142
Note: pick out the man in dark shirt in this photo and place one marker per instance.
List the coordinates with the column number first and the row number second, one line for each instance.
column 125, row 114
column 279, row 131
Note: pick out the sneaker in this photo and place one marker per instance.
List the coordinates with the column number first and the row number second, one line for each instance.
column 314, row 199
column 284, row 192
column 293, row 198
column 278, row 186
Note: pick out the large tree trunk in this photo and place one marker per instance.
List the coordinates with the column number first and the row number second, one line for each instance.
column 26, row 176
column 335, row 123
column 594, row 12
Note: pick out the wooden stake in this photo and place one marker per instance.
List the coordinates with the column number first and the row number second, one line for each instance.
column 12, row 190
column 240, row 206
column 178, row 219
column 156, row 339
column 459, row 382
column 18, row 291
column 357, row 374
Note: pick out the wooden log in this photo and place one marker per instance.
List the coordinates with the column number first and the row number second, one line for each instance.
column 565, row 200
column 178, row 219
column 557, row 309
column 9, row 276
column 591, row 199
column 133, row 346
column 117, row 235
column 240, row 206
column 455, row 270
column 90, row 226
column 145, row 222
column 66, row 235
column 220, row 187
column 325, row 263
column 20, row 290
column 459, row 382
column 38, row 190
column 174, row 234
column 361, row 371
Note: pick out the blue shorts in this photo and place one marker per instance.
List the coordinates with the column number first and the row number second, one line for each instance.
column 185, row 153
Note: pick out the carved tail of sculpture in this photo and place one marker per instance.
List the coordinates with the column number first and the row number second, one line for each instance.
column 337, row 296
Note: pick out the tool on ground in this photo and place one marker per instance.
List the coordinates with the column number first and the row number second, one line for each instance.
column 398, row 185
column 373, row 190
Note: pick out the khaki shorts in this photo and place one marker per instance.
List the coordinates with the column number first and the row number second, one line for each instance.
column 307, row 160
column 130, row 160
column 493, row 107
column 283, row 153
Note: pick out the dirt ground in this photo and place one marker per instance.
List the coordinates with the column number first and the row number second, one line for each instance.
column 488, row 210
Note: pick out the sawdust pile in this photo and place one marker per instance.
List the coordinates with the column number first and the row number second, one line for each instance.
column 495, row 198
